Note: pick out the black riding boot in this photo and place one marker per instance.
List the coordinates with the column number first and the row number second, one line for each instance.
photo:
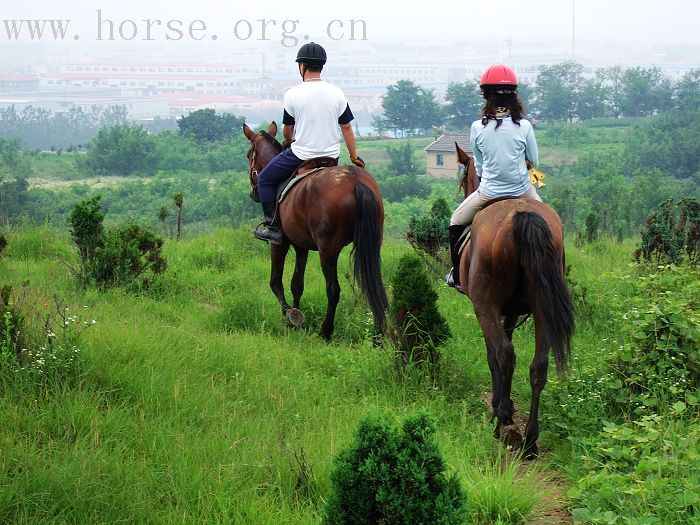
column 272, row 230
column 452, row 278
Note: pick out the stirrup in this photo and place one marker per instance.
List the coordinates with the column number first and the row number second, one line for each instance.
column 450, row 281
column 268, row 234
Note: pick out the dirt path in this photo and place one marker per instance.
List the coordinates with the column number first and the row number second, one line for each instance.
column 553, row 505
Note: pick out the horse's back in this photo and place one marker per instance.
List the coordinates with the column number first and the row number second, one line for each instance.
column 491, row 266
column 321, row 207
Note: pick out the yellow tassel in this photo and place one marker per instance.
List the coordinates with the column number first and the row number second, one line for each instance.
column 537, row 177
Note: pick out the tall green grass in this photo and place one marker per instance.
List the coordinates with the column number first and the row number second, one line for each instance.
column 193, row 402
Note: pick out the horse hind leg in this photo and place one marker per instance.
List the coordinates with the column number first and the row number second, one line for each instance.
column 538, row 379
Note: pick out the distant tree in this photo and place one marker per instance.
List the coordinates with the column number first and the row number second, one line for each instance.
column 464, row 102
column 14, row 170
column 645, row 92
column 669, row 142
column 687, row 91
column 557, row 90
column 402, row 159
column 594, row 98
column 613, row 80
column 205, row 125
column 380, row 124
column 410, row 108
column 526, row 94
column 121, row 150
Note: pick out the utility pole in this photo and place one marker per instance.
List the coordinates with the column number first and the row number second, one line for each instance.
column 573, row 29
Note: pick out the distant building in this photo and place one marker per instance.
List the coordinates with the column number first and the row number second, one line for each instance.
column 442, row 155
column 18, row 83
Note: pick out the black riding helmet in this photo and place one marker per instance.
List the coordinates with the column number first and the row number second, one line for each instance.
column 312, row 54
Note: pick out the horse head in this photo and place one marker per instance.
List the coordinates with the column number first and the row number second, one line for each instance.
column 469, row 181
column 263, row 148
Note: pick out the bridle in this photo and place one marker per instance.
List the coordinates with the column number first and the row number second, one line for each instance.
column 253, row 174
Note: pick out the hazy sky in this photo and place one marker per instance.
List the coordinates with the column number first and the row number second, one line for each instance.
column 412, row 21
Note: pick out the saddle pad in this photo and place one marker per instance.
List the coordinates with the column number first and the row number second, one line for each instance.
column 293, row 181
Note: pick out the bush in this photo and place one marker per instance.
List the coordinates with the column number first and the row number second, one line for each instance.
column 642, row 472
column 3, row 241
column 669, row 236
column 119, row 256
column 387, row 476
column 429, row 233
column 418, row 325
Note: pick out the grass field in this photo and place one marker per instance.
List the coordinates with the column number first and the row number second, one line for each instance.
column 194, row 403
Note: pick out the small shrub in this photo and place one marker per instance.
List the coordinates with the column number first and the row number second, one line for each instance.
column 129, row 253
column 387, row 476
column 419, row 328
column 429, row 234
column 3, row 241
column 118, row 256
column 669, row 235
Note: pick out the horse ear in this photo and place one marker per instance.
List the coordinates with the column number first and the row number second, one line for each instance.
column 272, row 129
column 249, row 133
column 462, row 156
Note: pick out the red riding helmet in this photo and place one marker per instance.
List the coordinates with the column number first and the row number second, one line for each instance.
column 499, row 75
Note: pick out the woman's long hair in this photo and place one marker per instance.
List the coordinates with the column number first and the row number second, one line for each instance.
column 498, row 101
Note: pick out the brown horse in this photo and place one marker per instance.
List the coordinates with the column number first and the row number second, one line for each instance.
column 514, row 266
column 325, row 211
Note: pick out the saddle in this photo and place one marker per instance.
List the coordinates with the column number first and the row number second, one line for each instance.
column 306, row 168
column 467, row 233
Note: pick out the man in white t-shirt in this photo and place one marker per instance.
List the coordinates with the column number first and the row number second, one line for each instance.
column 316, row 113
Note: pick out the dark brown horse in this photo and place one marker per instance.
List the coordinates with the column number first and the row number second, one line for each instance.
column 513, row 266
column 325, row 211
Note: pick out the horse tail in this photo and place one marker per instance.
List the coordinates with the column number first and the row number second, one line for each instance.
column 367, row 241
column 544, row 279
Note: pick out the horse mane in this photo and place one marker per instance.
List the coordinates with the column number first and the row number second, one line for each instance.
column 272, row 139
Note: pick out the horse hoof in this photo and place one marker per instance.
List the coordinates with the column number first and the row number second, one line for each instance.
column 295, row 317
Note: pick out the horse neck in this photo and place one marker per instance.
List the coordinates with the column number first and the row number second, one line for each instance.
column 472, row 181
column 265, row 152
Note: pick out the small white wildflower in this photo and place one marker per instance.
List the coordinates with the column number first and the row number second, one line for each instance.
column 94, row 321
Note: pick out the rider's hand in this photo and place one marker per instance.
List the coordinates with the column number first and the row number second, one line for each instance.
column 287, row 143
column 357, row 161
column 528, row 164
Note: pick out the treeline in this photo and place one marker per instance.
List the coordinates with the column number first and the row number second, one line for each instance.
column 205, row 158
column 40, row 129
column 560, row 92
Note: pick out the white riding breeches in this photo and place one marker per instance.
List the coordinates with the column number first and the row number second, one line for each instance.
column 464, row 214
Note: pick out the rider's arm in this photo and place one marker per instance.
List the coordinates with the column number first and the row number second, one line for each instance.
column 531, row 150
column 288, row 129
column 478, row 157
column 349, row 137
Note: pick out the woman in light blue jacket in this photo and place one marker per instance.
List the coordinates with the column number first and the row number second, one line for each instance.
column 502, row 141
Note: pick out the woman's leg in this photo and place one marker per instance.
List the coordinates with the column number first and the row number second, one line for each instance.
column 464, row 214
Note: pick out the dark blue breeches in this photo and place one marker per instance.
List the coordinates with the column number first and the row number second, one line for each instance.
column 280, row 168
